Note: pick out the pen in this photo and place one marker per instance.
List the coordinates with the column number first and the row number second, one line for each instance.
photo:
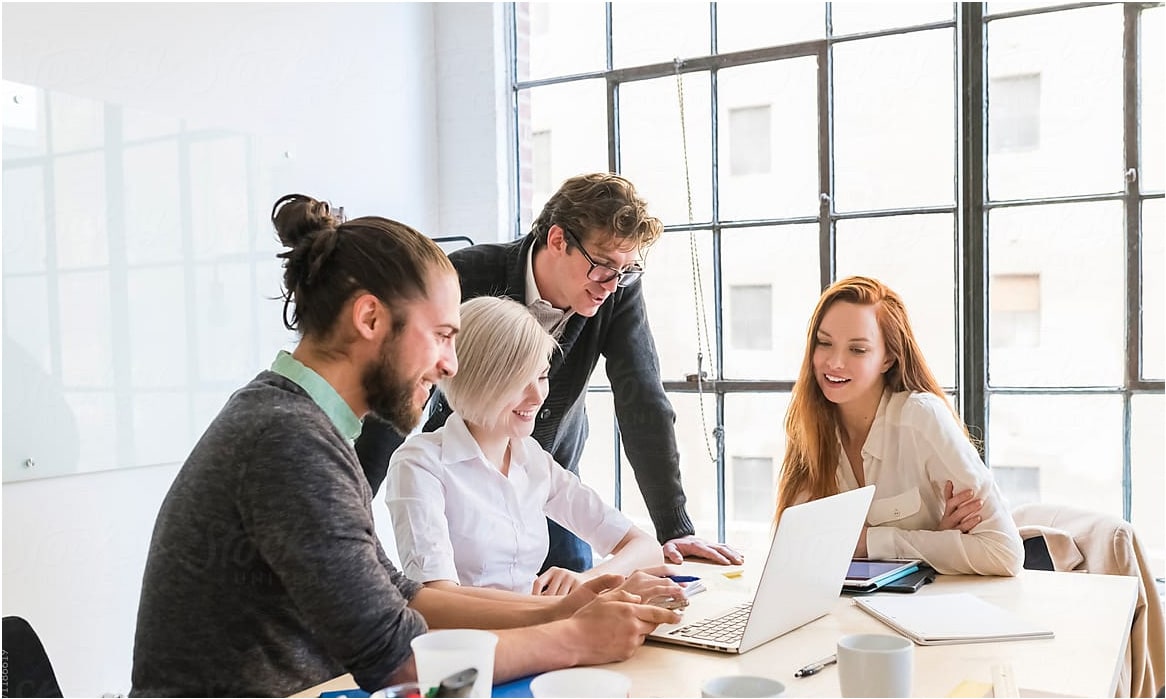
column 682, row 578
column 816, row 666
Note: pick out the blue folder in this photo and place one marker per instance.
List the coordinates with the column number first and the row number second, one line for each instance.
column 515, row 688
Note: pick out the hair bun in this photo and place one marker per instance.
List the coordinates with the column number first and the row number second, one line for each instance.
column 297, row 218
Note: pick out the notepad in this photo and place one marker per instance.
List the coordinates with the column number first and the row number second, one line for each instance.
column 931, row 620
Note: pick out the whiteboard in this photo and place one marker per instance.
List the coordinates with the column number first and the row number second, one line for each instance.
column 140, row 282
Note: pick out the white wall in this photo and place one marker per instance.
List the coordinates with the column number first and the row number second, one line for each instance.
column 358, row 94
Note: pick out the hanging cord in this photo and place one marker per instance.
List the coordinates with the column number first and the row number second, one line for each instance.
column 701, row 317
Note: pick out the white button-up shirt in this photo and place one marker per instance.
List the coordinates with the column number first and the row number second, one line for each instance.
column 914, row 447
column 456, row 517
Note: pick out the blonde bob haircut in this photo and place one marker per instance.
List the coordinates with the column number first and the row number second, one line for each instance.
column 500, row 348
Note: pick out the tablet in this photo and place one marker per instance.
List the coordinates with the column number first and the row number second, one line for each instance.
column 866, row 574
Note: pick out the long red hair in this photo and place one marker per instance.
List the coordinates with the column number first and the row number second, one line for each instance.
column 811, row 449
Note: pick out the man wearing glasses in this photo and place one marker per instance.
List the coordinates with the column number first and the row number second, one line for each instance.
column 578, row 272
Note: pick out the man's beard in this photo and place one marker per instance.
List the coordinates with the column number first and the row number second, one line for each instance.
column 390, row 395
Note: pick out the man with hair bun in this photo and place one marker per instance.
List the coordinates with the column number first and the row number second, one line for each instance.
column 264, row 574
column 578, row 271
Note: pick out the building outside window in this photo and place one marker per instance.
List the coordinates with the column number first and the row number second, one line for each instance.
column 751, row 316
column 749, row 140
column 1014, row 113
column 1014, row 320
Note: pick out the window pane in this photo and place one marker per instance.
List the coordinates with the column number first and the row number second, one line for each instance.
column 854, row 17
column 1043, row 338
column 78, row 210
column 754, row 436
column 779, row 151
column 218, row 313
column 27, row 342
column 572, row 121
column 697, row 471
column 157, row 322
column 1153, row 290
column 651, row 149
column 597, row 465
column 914, row 256
column 87, row 340
column 750, row 25
column 1153, row 120
column 657, row 32
column 24, row 219
column 1054, row 86
column 670, row 297
column 784, row 258
column 1146, row 457
column 1045, row 433
column 894, row 131
column 561, row 38
column 218, row 195
column 152, row 191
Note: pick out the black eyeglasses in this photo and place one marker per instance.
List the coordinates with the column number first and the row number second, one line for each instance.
column 601, row 273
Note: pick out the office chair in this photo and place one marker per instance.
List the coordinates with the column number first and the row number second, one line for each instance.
column 27, row 670
column 1080, row 540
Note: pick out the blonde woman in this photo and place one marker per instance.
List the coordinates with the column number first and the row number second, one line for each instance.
column 866, row 409
column 469, row 501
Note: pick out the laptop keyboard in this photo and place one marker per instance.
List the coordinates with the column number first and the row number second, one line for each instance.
column 727, row 628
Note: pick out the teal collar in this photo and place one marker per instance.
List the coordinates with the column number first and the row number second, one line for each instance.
column 321, row 392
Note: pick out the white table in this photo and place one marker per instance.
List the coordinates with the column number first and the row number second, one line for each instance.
column 1090, row 616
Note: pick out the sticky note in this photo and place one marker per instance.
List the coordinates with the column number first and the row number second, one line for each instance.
column 971, row 688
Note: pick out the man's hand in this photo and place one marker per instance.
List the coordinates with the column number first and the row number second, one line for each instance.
column 649, row 587
column 585, row 594
column 556, row 581
column 691, row 546
column 612, row 627
column 961, row 510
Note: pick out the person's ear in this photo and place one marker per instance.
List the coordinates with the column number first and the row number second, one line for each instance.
column 369, row 316
column 556, row 239
column 888, row 363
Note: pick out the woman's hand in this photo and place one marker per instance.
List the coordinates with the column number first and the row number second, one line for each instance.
column 650, row 587
column 556, row 581
column 961, row 510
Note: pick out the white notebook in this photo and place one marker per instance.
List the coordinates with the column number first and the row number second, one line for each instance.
column 931, row 620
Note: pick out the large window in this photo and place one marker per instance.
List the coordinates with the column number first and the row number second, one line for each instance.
column 999, row 164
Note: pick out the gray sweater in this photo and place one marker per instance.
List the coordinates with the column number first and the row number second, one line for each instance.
column 265, row 574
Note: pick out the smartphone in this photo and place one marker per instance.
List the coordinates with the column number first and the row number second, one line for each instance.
column 669, row 602
column 911, row 582
column 459, row 684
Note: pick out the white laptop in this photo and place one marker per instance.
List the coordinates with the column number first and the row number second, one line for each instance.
column 801, row 581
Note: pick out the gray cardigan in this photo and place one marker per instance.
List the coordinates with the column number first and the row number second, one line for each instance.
column 265, row 574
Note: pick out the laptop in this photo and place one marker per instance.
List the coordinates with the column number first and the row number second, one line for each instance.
column 801, row 581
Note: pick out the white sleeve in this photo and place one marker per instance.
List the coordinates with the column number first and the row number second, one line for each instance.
column 415, row 497
column 581, row 510
column 994, row 546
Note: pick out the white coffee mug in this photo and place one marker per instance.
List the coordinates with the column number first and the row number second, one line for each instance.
column 875, row 665
column 439, row 654
column 581, row 682
column 742, row 686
